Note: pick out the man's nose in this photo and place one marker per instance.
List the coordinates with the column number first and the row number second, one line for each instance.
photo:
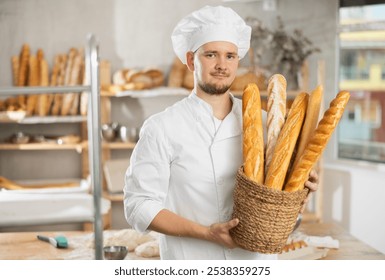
column 220, row 63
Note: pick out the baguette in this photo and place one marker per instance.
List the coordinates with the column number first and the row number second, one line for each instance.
column 15, row 69
column 286, row 142
column 71, row 75
column 58, row 98
column 23, row 72
column 33, row 80
column 276, row 112
column 317, row 142
column 44, row 81
column 253, row 147
column 311, row 121
column 53, row 82
column 177, row 73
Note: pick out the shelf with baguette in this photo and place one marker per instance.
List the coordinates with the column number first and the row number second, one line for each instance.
column 46, row 119
column 152, row 92
column 166, row 91
column 73, row 146
column 41, row 146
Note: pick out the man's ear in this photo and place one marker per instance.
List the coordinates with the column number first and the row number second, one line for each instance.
column 190, row 61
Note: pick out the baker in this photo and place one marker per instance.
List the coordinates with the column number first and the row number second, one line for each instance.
column 182, row 171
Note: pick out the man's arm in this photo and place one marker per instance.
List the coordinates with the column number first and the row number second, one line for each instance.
column 169, row 223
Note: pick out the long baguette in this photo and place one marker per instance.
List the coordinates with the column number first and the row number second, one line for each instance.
column 44, row 81
column 276, row 112
column 317, row 143
column 311, row 120
column 15, row 60
column 253, row 154
column 286, row 142
column 23, row 72
column 33, row 80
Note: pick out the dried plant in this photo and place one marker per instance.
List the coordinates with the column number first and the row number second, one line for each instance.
column 281, row 52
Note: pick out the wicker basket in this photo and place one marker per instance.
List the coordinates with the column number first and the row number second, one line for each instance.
column 266, row 216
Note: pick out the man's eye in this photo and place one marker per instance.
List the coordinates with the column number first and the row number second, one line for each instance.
column 231, row 57
column 210, row 55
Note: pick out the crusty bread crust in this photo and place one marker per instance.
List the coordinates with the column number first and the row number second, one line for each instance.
column 286, row 142
column 311, row 120
column 253, row 146
column 317, row 143
column 276, row 112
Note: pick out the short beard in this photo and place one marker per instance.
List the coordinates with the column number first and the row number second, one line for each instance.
column 213, row 90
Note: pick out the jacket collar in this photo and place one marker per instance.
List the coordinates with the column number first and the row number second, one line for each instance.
column 232, row 123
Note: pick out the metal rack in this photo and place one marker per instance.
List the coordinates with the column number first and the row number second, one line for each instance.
column 93, row 123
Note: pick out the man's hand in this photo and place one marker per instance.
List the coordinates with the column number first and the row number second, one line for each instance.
column 219, row 233
column 312, row 185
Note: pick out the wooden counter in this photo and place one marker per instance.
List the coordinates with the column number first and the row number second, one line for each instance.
column 350, row 247
column 24, row 245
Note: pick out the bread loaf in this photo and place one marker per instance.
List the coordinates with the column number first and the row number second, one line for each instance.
column 23, row 71
column 71, row 79
column 44, row 81
column 311, row 120
column 53, row 82
column 58, row 98
column 156, row 76
column 119, row 77
column 317, row 143
column 33, row 80
column 15, row 60
column 139, row 79
column 276, row 112
column 253, row 146
column 286, row 142
column 177, row 73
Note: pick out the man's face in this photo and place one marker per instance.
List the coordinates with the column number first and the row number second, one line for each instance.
column 215, row 66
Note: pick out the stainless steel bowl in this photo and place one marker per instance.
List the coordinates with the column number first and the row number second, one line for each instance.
column 20, row 138
column 115, row 252
column 129, row 134
column 109, row 131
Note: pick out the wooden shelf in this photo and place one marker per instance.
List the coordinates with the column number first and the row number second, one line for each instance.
column 145, row 93
column 118, row 145
column 42, row 146
column 113, row 197
column 48, row 119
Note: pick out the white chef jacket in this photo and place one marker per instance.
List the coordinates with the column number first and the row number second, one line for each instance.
column 181, row 163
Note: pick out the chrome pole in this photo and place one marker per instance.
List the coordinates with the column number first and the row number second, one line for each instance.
column 94, row 139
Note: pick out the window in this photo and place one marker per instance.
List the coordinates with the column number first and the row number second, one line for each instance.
column 361, row 132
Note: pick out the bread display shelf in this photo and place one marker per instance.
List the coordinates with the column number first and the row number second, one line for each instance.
column 42, row 146
column 54, row 146
column 154, row 92
column 118, row 145
column 166, row 91
column 117, row 197
column 48, row 119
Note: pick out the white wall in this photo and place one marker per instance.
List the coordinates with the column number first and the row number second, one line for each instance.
column 135, row 33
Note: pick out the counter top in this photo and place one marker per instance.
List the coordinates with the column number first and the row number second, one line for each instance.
column 350, row 247
column 25, row 245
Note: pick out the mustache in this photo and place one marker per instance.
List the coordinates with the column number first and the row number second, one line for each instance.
column 220, row 73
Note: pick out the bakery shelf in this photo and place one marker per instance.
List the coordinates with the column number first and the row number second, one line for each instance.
column 51, row 119
column 42, row 146
column 154, row 92
column 113, row 197
column 118, row 145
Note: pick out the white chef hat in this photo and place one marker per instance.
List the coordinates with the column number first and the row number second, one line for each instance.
column 207, row 25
